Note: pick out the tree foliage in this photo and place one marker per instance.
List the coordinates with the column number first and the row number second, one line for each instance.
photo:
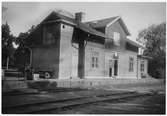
column 23, row 38
column 16, row 56
column 7, row 45
column 22, row 54
column 155, row 42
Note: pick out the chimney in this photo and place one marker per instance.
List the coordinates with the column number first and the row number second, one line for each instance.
column 79, row 16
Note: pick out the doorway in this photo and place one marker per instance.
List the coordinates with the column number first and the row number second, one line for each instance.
column 113, row 67
column 110, row 72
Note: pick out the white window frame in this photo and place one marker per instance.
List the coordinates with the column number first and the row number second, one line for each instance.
column 95, row 60
column 116, row 37
column 131, row 64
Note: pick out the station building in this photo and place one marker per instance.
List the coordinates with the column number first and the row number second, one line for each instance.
column 70, row 48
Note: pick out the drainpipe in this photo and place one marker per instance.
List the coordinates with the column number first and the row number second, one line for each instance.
column 81, row 60
column 81, row 47
column 81, row 56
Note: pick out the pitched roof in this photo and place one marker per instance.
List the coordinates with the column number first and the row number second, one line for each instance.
column 90, row 30
column 101, row 22
column 133, row 43
column 57, row 17
column 108, row 21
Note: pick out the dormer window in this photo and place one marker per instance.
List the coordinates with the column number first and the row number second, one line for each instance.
column 117, row 38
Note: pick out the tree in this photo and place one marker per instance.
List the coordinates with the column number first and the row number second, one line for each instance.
column 22, row 54
column 23, row 38
column 154, row 38
column 7, row 47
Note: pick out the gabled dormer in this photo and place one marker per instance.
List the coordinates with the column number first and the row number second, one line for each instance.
column 116, row 31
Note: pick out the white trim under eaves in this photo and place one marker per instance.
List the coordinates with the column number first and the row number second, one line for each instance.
column 113, row 21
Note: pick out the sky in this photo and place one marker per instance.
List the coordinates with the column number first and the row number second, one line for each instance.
column 136, row 15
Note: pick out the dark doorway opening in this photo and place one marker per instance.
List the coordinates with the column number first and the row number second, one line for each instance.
column 110, row 72
column 115, row 67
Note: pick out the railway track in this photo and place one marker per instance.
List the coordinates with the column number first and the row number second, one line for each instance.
column 45, row 107
column 39, row 91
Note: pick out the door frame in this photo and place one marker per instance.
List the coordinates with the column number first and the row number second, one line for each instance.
column 111, row 66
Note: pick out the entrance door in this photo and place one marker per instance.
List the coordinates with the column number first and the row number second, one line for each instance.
column 111, row 67
column 115, row 67
column 110, row 72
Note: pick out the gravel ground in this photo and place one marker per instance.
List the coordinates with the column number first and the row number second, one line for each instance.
column 9, row 100
column 154, row 104
column 143, row 105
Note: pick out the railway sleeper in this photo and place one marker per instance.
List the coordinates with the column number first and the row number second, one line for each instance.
column 62, row 100
column 48, row 106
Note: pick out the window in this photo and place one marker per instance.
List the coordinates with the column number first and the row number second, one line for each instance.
column 141, row 51
column 131, row 62
column 63, row 26
column 111, row 63
column 49, row 37
column 142, row 66
column 95, row 61
column 117, row 38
